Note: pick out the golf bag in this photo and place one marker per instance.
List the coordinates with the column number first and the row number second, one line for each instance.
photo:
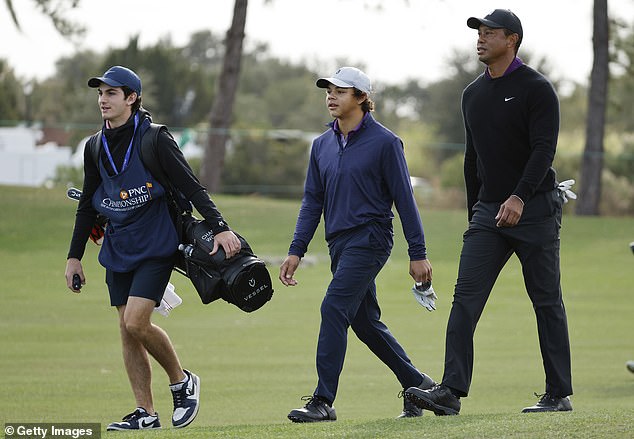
column 242, row 280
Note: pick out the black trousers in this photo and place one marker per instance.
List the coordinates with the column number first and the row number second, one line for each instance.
column 486, row 249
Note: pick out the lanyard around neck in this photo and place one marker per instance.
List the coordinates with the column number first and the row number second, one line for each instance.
column 127, row 154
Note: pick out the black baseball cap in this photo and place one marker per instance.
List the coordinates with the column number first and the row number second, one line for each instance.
column 118, row 76
column 498, row 19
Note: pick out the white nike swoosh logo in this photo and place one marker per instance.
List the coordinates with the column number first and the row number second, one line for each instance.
column 179, row 412
column 508, row 99
column 148, row 423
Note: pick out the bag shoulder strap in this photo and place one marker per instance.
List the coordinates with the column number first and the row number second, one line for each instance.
column 94, row 146
column 149, row 153
column 178, row 205
column 150, row 157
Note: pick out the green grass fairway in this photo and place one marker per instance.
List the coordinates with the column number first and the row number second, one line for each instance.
column 60, row 358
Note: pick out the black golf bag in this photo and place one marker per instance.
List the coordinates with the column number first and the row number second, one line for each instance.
column 242, row 280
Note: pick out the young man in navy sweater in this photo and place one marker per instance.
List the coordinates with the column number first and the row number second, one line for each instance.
column 511, row 116
column 357, row 171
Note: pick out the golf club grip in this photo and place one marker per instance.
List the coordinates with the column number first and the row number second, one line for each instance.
column 73, row 193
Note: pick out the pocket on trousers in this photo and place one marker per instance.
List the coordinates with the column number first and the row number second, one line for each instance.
column 381, row 253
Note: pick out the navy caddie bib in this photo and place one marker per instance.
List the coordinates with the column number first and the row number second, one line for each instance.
column 140, row 226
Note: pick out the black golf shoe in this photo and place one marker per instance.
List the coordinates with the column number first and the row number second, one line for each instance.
column 438, row 399
column 550, row 403
column 315, row 410
column 411, row 410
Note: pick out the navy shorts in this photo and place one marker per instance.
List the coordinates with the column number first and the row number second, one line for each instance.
column 148, row 280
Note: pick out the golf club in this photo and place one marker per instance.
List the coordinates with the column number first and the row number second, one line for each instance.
column 96, row 235
column 73, row 193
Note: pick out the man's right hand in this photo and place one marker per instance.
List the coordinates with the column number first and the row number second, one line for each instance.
column 287, row 270
column 73, row 266
column 510, row 212
column 229, row 243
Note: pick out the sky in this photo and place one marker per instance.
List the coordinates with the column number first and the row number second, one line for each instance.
column 394, row 40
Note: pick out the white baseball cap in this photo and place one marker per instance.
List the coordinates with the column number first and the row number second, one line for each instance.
column 347, row 77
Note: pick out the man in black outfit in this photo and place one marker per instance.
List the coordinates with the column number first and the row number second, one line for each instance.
column 511, row 117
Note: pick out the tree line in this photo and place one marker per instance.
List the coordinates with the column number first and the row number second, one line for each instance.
column 273, row 94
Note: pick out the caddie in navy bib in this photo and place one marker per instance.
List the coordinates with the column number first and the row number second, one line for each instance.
column 140, row 226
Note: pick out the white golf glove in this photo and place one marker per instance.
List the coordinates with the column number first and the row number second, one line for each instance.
column 564, row 188
column 169, row 301
column 425, row 295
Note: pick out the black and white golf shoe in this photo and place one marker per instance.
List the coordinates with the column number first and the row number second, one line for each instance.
column 137, row 420
column 186, row 400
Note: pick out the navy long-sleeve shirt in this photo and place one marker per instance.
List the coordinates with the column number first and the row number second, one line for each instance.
column 357, row 185
column 512, row 124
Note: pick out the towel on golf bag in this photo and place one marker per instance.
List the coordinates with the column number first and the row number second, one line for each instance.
column 242, row 280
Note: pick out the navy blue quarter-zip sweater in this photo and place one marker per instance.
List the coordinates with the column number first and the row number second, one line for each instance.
column 512, row 124
column 358, row 185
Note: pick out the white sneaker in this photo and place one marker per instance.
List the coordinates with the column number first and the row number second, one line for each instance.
column 186, row 400
column 137, row 420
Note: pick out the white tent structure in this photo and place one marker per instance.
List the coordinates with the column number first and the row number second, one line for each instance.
column 22, row 163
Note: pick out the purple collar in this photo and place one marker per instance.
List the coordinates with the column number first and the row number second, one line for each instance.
column 335, row 125
column 516, row 64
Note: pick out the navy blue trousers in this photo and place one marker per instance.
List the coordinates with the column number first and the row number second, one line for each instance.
column 486, row 249
column 357, row 256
